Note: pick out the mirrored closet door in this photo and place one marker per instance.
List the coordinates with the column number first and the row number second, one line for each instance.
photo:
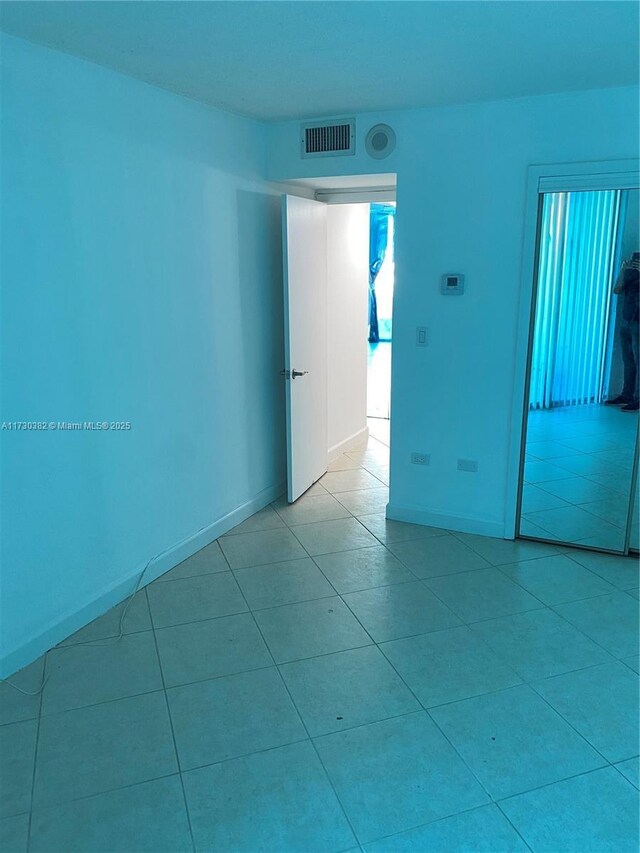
column 579, row 465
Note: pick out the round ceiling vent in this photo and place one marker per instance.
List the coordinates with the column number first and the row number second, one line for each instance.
column 380, row 141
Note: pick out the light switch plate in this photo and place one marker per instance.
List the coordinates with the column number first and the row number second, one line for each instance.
column 421, row 336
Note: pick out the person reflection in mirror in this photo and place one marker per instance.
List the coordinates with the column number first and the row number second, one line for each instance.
column 627, row 286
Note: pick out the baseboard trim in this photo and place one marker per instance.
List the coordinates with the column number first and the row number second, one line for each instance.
column 354, row 441
column 460, row 523
column 58, row 630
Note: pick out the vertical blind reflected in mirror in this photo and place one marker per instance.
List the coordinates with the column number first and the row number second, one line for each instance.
column 582, row 412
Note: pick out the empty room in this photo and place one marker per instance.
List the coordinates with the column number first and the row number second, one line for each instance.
column 319, row 426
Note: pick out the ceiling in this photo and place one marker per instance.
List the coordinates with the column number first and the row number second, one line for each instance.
column 279, row 60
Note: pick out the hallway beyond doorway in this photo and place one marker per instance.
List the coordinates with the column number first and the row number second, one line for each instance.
column 379, row 380
column 380, row 429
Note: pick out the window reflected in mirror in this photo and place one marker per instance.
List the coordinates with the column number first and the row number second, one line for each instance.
column 582, row 413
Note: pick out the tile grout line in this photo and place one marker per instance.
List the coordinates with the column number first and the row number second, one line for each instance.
column 558, row 603
column 315, row 562
column 379, row 644
column 173, row 734
column 593, row 571
column 571, row 726
column 382, row 544
column 536, row 610
column 528, row 683
column 328, row 581
column 414, row 579
column 220, row 761
column 424, row 710
column 328, row 734
column 560, row 553
column 300, row 717
column 278, row 665
column 319, row 757
column 490, row 565
column 515, row 828
column 83, row 797
column 543, row 606
column 439, row 820
column 102, row 702
column 35, row 749
column 418, row 579
column 579, row 630
column 617, row 767
column 498, row 800
column 557, row 782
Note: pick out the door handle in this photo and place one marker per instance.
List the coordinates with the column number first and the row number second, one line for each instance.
column 291, row 374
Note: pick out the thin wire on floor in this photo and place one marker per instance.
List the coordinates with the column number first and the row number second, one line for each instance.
column 107, row 641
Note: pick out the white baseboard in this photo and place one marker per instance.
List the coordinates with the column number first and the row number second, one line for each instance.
column 461, row 523
column 61, row 628
column 352, row 443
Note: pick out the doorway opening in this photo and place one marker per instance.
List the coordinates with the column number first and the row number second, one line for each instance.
column 578, row 482
column 338, row 238
column 380, row 317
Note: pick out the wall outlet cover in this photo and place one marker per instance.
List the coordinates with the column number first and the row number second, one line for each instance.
column 452, row 284
column 470, row 465
column 420, row 458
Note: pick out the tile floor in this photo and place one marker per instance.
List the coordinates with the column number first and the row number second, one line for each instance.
column 321, row 679
column 379, row 379
column 578, row 472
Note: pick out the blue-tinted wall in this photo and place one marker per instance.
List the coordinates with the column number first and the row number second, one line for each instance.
column 461, row 175
column 141, row 275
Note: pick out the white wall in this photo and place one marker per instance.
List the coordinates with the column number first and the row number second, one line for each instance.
column 348, row 288
column 461, row 195
column 141, row 269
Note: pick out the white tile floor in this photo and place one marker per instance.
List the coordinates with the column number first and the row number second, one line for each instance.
column 578, row 471
column 321, row 679
column 379, row 379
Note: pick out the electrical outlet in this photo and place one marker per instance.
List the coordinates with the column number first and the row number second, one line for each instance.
column 452, row 284
column 420, row 458
column 468, row 465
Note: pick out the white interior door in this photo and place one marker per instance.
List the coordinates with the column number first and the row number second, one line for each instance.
column 304, row 229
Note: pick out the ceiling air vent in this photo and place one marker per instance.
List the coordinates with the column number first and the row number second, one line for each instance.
column 328, row 138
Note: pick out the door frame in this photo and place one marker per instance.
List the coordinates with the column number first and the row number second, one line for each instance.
column 343, row 189
column 553, row 177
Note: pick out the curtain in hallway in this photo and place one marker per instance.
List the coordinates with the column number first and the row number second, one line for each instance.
column 575, row 269
column 378, row 236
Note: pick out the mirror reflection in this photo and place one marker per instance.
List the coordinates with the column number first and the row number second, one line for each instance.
column 634, row 523
column 582, row 418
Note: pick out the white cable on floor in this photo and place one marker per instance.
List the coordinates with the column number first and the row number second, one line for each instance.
column 107, row 641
